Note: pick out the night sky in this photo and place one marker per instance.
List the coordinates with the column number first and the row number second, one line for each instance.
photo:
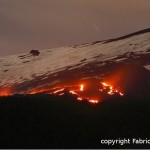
column 42, row 24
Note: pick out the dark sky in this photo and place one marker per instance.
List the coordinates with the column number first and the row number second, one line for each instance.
column 42, row 24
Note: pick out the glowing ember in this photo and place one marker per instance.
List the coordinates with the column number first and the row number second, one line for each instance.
column 110, row 89
column 57, row 91
column 73, row 92
column 81, row 87
column 79, row 98
column 105, row 85
column 93, row 101
column 61, row 94
column 121, row 94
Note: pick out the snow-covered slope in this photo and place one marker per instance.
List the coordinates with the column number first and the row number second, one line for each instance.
column 24, row 68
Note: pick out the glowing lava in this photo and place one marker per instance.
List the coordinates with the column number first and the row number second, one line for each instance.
column 92, row 92
column 58, row 91
column 93, row 101
column 5, row 91
column 110, row 89
column 73, row 90
column 79, row 98
column 81, row 87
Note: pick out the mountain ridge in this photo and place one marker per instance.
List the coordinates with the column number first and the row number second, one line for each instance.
column 63, row 65
column 128, row 35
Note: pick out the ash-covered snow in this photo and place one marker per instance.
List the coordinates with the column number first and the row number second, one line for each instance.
column 16, row 69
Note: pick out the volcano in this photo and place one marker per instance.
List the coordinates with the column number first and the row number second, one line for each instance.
column 77, row 96
column 122, row 63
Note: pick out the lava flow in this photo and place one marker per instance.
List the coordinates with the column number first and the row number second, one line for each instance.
column 110, row 89
column 73, row 90
column 90, row 91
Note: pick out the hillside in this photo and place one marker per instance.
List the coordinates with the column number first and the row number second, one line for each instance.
column 72, row 64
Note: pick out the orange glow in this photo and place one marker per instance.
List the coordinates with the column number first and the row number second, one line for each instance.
column 73, row 92
column 110, row 89
column 91, row 90
column 79, row 98
column 57, row 91
column 5, row 91
column 61, row 94
column 121, row 94
column 35, row 91
column 93, row 101
column 81, row 87
column 93, row 93
column 105, row 84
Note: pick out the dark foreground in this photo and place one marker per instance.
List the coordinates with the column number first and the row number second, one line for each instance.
column 44, row 121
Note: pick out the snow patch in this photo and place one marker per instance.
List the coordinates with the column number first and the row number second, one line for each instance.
column 147, row 67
